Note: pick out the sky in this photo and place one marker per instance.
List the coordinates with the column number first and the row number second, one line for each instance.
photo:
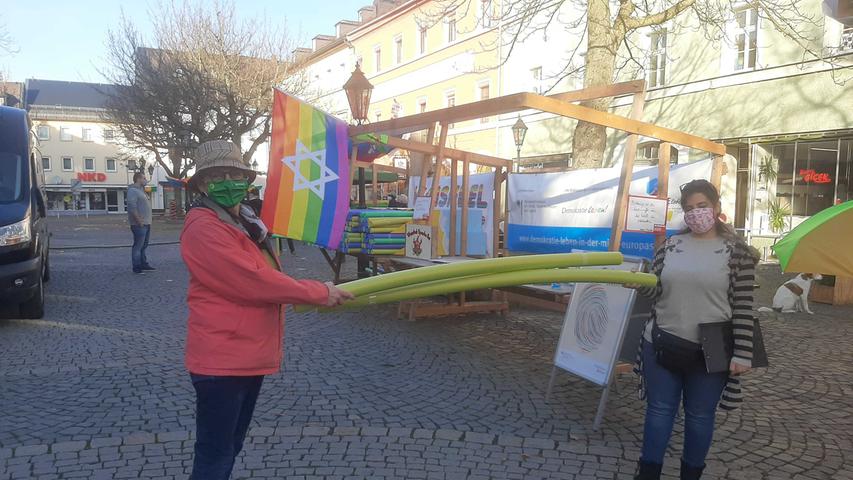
column 62, row 40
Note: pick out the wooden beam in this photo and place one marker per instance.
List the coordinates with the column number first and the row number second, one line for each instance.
column 436, row 175
column 454, row 204
column 383, row 168
column 476, row 158
column 663, row 181
column 620, row 213
column 717, row 172
column 466, row 168
column 353, row 161
column 426, row 161
column 629, row 125
column 592, row 93
column 374, row 185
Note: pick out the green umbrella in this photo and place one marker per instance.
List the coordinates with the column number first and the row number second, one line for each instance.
column 821, row 244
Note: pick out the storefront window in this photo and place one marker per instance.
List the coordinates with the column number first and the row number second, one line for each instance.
column 784, row 172
column 814, row 184
column 845, row 189
column 97, row 201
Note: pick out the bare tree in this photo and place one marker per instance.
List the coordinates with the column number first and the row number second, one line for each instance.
column 204, row 75
column 607, row 28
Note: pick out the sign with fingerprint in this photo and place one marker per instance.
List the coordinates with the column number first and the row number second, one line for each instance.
column 592, row 330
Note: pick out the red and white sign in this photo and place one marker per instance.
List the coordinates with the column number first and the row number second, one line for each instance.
column 811, row 176
column 646, row 214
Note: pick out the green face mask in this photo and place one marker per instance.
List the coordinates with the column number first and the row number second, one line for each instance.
column 227, row 192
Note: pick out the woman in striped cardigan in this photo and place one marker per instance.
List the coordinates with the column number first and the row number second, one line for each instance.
column 705, row 275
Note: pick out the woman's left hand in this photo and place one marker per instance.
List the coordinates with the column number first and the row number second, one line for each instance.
column 738, row 369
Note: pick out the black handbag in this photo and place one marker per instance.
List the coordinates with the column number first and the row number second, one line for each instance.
column 675, row 353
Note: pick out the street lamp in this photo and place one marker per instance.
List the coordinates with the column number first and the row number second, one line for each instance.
column 358, row 90
column 519, row 130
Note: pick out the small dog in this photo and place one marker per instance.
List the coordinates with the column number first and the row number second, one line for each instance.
column 793, row 295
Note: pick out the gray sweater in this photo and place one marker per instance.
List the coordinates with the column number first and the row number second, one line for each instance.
column 137, row 203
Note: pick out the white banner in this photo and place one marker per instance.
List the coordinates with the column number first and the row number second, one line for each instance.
column 556, row 212
column 480, row 212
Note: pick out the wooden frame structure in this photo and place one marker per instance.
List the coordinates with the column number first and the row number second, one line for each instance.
column 437, row 121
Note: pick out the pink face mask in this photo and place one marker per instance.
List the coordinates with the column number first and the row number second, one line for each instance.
column 700, row 220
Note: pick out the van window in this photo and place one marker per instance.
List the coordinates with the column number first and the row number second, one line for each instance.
column 11, row 177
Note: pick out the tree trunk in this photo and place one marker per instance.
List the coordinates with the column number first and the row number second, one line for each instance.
column 589, row 140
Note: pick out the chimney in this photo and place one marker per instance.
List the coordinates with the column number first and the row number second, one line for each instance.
column 383, row 6
column 366, row 14
column 321, row 41
column 301, row 53
column 345, row 26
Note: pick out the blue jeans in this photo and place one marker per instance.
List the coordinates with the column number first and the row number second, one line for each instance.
column 700, row 391
column 141, row 233
column 224, row 407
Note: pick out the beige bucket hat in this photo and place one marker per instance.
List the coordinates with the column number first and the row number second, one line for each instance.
column 219, row 153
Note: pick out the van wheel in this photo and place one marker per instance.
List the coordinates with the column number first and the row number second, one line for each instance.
column 34, row 307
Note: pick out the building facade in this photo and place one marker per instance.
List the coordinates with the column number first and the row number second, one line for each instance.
column 85, row 166
column 780, row 105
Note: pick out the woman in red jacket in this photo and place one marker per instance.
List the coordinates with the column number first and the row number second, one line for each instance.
column 236, row 297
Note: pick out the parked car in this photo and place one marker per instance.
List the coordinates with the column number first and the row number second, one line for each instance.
column 24, row 237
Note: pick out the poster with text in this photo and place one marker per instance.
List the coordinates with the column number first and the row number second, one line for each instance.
column 556, row 212
column 480, row 213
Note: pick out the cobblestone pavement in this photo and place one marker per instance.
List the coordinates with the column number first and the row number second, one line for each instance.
column 98, row 390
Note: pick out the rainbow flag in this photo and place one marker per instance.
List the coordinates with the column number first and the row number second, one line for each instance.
column 307, row 192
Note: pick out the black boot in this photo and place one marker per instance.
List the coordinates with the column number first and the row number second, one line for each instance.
column 648, row 471
column 691, row 473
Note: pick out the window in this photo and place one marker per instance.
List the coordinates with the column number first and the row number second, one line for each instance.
column 109, row 135
column 846, row 43
column 44, row 132
column 486, row 13
column 67, row 164
column 450, row 101
column 483, row 93
column 396, row 109
column 45, row 163
column 746, row 38
column 648, row 153
column 398, row 49
column 378, row 115
column 422, row 40
column 536, row 78
column 377, row 58
column 657, row 60
column 87, row 134
column 422, row 105
column 65, row 134
column 450, row 24
column 111, row 164
column 131, row 165
column 89, row 164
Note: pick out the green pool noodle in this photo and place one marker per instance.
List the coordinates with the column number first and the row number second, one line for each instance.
column 387, row 251
column 385, row 214
column 387, row 241
column 387, row 222
column 498, row 280
column 398, row 229
column 477, row 267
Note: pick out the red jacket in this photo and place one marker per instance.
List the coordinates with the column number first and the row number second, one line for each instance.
column 236, row 323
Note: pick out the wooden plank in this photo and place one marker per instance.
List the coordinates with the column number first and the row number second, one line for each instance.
column 454, row 204
column 592, row 93
column 524, row 101
column 545, row 304
column 625, row 178
column 352, row 168
column 717, row 171
column 374, row 185
column 465, row 194
column 629, row 125
column 663, row 181
column 420, row 310
column 425, row 163
column 476, row 158
column 436, row 175
column 383, row 168
column 496, row 213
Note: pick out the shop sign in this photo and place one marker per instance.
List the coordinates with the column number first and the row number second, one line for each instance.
column 811, row 176
column 92, row 177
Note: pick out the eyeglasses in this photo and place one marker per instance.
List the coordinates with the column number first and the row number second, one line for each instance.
column 221, row 175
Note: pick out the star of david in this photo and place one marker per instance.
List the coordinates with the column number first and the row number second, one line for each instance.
column 318, row 157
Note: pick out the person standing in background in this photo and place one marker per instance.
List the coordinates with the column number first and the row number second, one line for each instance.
column 139, row 217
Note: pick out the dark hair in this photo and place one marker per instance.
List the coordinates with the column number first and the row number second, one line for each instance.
column 137, row 176
column 713, row 195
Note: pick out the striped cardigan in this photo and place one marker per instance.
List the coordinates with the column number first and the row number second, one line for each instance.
column 741, row 284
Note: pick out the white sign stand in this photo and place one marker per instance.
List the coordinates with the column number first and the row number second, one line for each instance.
column 593, row 331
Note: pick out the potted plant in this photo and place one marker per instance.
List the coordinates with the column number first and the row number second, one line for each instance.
column 777, row 214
